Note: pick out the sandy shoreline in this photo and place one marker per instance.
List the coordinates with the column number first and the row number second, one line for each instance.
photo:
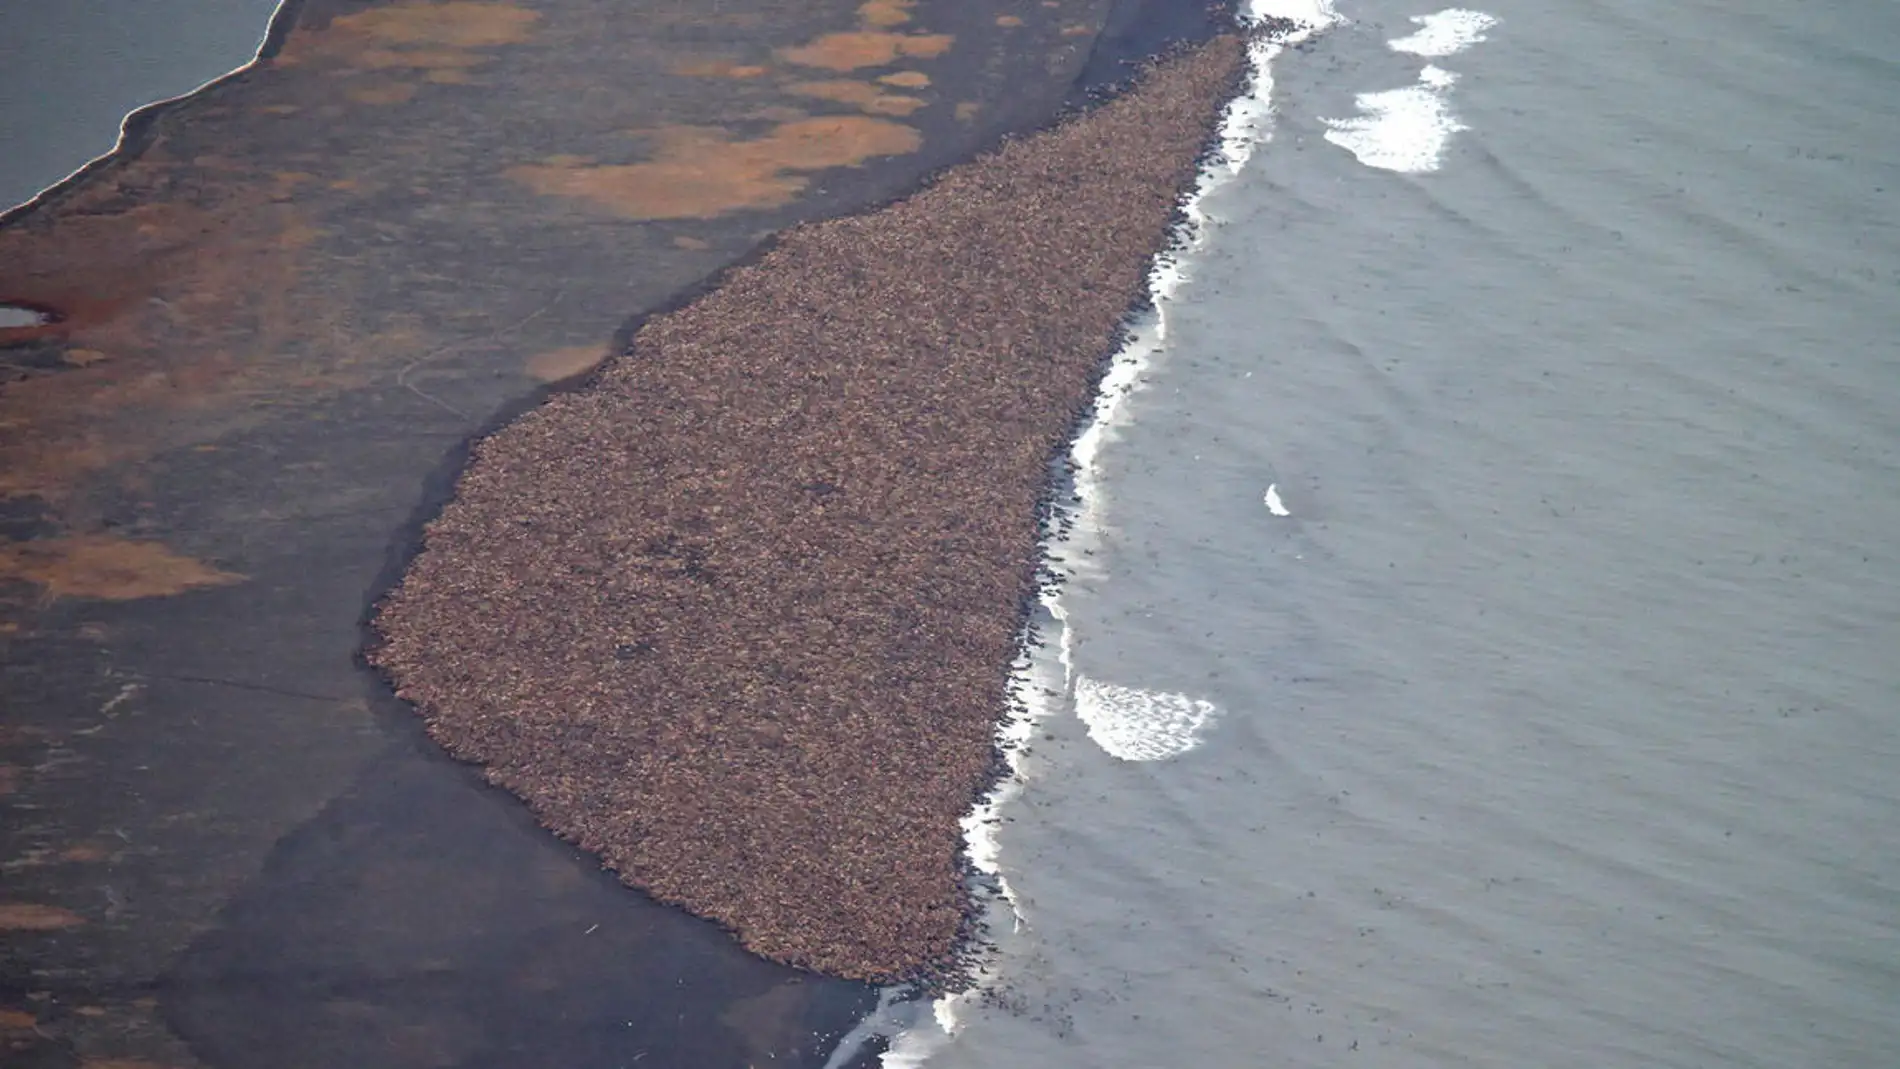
column 738, row 615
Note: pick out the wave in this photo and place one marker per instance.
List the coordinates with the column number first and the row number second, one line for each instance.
column 1404, row 130
column 1407, row 129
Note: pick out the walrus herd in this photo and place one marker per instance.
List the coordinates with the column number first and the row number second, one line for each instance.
column 738, row 614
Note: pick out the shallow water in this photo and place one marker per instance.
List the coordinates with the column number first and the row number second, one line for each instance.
column 1557, row 721
column 71, row 70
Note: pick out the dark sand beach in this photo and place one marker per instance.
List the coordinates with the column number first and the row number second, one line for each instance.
column 276, row 316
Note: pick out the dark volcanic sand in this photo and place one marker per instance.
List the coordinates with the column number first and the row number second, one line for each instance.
column 738, row 616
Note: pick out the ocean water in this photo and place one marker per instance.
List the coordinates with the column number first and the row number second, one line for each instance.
column 71, row 70
column 1481, row 643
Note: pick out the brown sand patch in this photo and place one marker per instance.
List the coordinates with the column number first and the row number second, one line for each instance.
column 443, row 39
column 1008, row 21
column 872, row 44
column 906, row 79
column 101, row 566
column 31, row 917
column 125, row 283
column 557, row 364
column 967, row 110
column 450, row 24
column 862, row 95
column 389, row 93
column 885, row 12
column 865, row 48
column 698, row 173
column 179, row 313
column 18, row 1021
column 685, row 241
column 427, row 59
column 738, row 616
column 9, row 779
column 716, row 68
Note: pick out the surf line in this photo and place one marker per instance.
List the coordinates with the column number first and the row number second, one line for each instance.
column 1045, row 677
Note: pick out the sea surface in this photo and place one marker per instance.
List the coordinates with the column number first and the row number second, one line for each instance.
column 71, row 70
column 1482, row 639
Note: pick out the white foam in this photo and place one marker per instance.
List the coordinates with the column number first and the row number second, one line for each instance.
column 1141, row 725
column 1407, row 130
column 1274, row 504
column 1136, row 723
column 1404, row 130
column 1248, row 123
column 1444, row 33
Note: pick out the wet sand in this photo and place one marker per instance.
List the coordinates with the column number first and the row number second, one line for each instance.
column 277, row 315
column 738, row 616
